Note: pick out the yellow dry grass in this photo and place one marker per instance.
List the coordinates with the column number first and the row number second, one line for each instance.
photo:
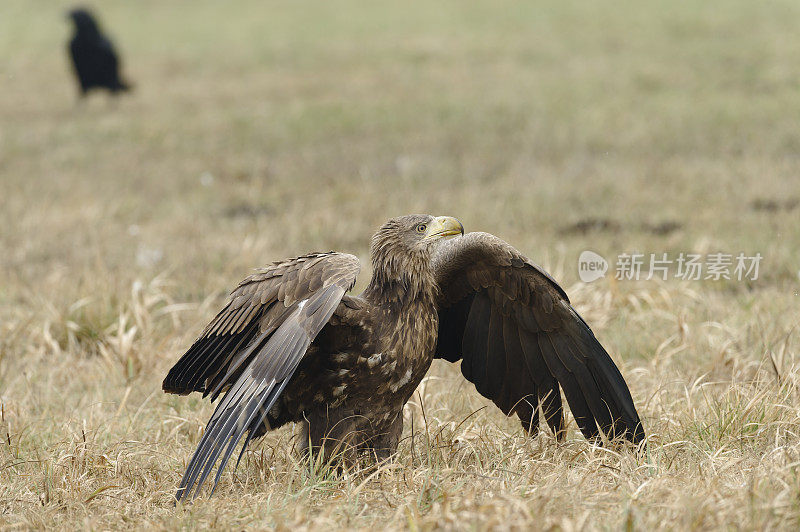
column 259, row 131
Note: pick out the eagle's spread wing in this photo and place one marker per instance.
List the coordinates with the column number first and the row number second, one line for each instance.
column 519, row 339
column 252, row 348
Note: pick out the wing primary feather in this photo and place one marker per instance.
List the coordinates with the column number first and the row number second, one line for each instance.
column 222, row 436
column 238, row 360
column 214, row 380
column 549, row 395
column 261, row 419
column 614, row 389
column 237, row 432
column 222, row 358
column 526, row 390
column 496, row 364
column 226, row 427
column 572, row 390
column 201, row 360
column 206, row 442
column 572, row 360
column 181, row 377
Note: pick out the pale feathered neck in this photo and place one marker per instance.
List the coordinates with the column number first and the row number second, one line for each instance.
column 400, row 276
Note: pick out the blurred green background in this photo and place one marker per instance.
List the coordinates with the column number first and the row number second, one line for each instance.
column 314, row 121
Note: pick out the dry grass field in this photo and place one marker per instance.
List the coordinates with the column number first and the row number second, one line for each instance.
column 262, row 130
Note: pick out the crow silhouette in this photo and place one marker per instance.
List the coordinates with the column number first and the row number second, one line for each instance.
column 93, row 57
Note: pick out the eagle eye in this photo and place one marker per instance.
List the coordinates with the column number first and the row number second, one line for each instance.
column 421, row 228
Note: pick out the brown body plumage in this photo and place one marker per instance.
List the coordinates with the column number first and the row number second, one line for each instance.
column 292, row 346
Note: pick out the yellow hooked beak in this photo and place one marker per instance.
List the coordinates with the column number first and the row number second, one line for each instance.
column 443, row 226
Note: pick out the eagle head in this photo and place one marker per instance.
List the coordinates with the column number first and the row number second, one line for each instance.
column 401, row 250
column 414, row 233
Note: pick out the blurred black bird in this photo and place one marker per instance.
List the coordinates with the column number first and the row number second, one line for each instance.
column 93, row 56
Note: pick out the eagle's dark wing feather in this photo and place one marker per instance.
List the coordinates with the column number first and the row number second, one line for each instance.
column 519, row 339
column 251, row 348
